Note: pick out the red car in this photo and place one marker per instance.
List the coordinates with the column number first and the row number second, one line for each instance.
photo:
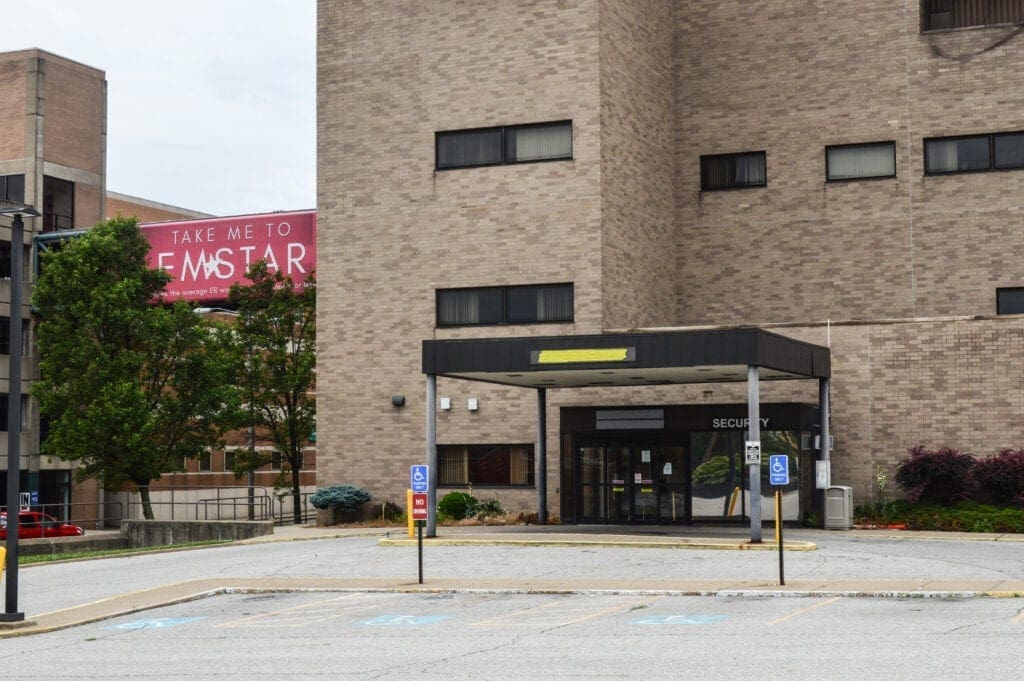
column 33, row 525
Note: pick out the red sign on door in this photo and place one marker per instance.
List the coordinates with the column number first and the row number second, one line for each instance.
column 419, row 506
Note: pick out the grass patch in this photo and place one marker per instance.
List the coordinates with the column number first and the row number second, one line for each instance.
column 965, row 516
column 84, row 555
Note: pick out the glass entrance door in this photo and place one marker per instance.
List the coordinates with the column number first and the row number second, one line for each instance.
column 632, row 482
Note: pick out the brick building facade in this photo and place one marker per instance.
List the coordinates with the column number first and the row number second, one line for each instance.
column 814, row 169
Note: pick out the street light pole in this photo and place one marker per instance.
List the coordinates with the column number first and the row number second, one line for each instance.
column 11, row 613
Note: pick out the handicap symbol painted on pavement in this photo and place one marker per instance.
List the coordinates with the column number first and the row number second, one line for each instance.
column 159, row 623
column 405, row 620
column 682, row 619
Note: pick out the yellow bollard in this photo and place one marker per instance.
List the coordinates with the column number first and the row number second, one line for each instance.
column 408, row 511
column 733, row 500
column 3, row 560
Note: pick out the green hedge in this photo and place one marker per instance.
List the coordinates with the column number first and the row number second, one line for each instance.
column 966, row 516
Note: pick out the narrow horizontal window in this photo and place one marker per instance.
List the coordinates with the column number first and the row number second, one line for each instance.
column 957, row 154
column 469, row 148
column 973, row 153
column 538, row 143
column 943, row 14
column 733, row 171
column 1010, row 300
column 12, row 188
column 504, row 144
column 505, row 305
column 860, row 161
column 485, row 465
column 539, row 304
column 466, row 307
column 1009, row 150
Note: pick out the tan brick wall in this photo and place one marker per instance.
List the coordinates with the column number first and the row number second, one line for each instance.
column 13, row 95
column 834, row 73
column 75, row 115
column 391, row 230
column 626, row 222
column 143, row 211
column 637, row 164
column 88, row 210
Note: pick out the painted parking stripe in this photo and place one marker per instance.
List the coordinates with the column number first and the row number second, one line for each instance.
column 1019, row 617
column 307, row 613
column 158, row 623
column 681, row 619
column 801, row 611
column 558, row 613
column 405, row 620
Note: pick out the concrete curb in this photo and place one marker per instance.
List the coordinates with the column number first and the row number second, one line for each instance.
column 722, row 545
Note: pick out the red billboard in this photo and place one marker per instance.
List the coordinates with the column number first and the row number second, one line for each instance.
column 205, row 257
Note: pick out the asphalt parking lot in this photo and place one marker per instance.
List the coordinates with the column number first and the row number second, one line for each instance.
column 389, row 635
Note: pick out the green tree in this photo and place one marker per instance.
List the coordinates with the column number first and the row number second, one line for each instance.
column 276, row 331
column 131, row 387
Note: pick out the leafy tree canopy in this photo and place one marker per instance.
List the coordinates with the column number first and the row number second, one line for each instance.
column 131, row 387
column 276, row 331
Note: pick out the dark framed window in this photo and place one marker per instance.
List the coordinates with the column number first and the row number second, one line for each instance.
column 26, row 415
column 205, row 462
column 974, row 153
column 58, row 204
column 733, row 171
column 540, row 303
column 275, row 460
column 12, row 188
column 860, row 161
column 943, row 14
column 485, row 465
column 1010, row 300
column 229, row 459
column 503, row 144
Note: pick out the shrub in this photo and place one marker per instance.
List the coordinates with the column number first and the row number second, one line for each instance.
column 389, row 512
column 1000, row 478
column 339, row 498
column 488, row 508
column 456, row 505
column 943, row 476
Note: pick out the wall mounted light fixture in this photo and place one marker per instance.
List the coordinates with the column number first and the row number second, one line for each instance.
column 398, row 400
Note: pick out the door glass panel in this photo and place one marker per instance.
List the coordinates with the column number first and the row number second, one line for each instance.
column 716, row 459
column 592, row 477
column 645, row 499
column 620, row 488
column 670, row 478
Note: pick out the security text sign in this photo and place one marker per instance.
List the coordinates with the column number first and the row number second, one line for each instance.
column 206, row 256
column 419, row 506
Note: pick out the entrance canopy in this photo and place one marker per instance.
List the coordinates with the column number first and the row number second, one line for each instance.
column 621, row 359
column 657, row 358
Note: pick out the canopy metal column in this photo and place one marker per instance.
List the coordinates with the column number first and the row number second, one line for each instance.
column 754, row 435
column 542, row 457
column 431, row 455
column 823, row 407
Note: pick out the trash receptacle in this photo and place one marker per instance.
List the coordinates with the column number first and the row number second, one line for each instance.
column 838, row 507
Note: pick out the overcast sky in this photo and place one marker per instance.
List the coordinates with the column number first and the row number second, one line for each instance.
column 211, row 104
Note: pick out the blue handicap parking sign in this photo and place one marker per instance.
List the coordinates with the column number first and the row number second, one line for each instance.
column 778, row 469
column 419, row 479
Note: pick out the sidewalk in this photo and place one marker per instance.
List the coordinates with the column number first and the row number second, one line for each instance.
column 682, row 538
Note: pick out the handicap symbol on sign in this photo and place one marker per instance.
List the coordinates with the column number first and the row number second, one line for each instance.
column 778, row 467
